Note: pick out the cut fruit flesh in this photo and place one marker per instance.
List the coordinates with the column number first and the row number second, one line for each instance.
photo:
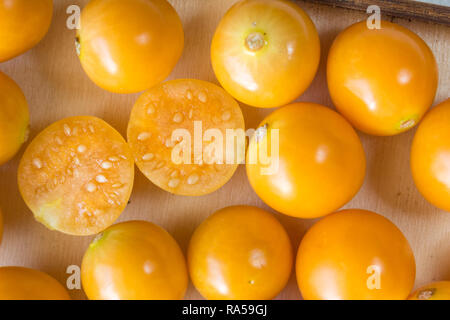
column 168, row 134
column 77, row 175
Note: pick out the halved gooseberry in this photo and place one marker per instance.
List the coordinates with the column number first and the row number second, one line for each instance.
column 77, row 175
column 186, row 136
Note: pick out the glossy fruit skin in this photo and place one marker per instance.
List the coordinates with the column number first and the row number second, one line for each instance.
column 23, row 24
column 320, row 157
column 278, row 72
column 14, row 118
column 76, row 176
column 433, row 291
column 336, row 255
column 18, row 283
column 430, row 156
column 134, row 260
column 1, row 226
column 129, row 46
column 180, row 105
column 382, row 80
column 240, row 252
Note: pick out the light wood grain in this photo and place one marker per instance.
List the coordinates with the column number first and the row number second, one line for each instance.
column 56, row 87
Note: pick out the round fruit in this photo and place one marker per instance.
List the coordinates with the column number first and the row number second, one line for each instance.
column 240, row 252
column 265, row 53
column 18, row 283
column 14, row 118
column 382, row 80
column 430, row 156
column 433, row 291
column 187, row 136
column 129, row 46
column 23, row 24
column 305, row 160
column 77, row 175
column 355, row 255
column 134, row 260
column 1, row 226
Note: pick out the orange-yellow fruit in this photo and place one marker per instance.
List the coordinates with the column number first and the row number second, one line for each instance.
column 14, row 118
column 135, row 260
column 129, row 46
column 433, row 291
column 355, row 255
column 305, row 160
column 18, row 283
column 430, row 156
column 1, row 226
column 265, row 53
column 240, row 252
column 178, row 132
column 23, row 24
column 382, row 80
column 77, row 175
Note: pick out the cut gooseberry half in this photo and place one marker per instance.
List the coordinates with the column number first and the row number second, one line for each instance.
column 187, row 136
column 76, row 176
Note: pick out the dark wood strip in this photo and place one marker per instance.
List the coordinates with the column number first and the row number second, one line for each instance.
column 400, row 8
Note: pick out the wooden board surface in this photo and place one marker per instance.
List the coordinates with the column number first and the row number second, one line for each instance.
column 425, row 10
column 56, row 87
